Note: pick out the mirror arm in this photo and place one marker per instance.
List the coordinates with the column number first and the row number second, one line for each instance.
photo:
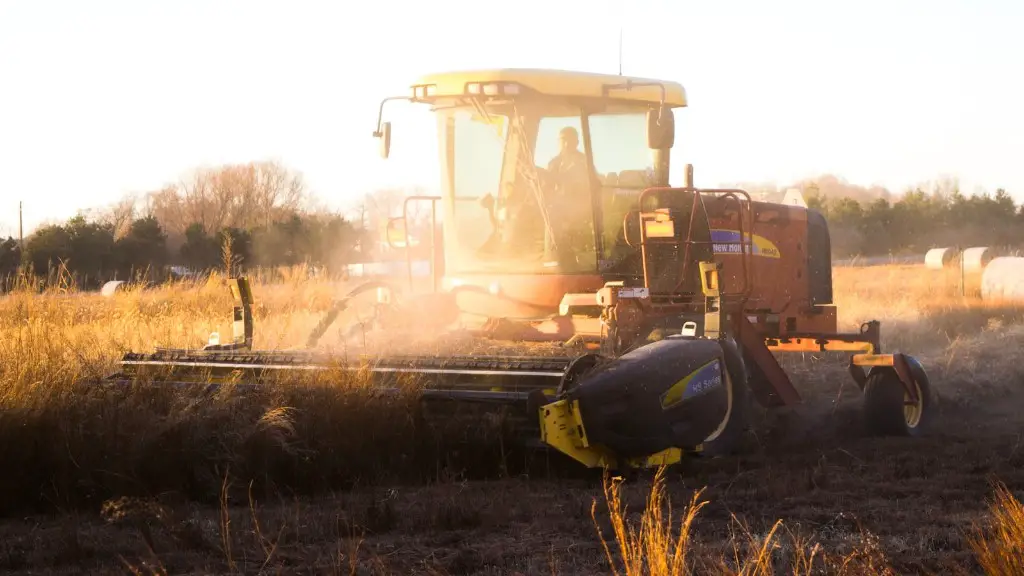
column 380, row 112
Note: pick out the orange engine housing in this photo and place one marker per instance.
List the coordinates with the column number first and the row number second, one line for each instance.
column 787, row 281
column 789, row 273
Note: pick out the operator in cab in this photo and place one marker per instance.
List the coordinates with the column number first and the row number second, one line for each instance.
column 570, row 164
column 565, row 197
column 568, row 200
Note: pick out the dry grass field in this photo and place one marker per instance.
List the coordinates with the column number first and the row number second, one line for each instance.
column 333, row 479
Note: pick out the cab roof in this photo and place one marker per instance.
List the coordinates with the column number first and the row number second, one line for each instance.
column 556, row 83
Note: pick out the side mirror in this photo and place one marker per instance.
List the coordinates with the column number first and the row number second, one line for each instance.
column 394, row 232
column 385, row 139
column 661, row 128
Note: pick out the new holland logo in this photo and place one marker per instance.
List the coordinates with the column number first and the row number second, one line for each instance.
column 728, row 242
column 697, row 382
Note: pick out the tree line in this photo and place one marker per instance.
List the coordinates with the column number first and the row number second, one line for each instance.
column 261, row 215
column 92, row 253
column 919, row 220
column 240, row 216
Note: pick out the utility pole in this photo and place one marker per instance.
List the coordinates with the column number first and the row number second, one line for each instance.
column 620, row 49
column 21, row 230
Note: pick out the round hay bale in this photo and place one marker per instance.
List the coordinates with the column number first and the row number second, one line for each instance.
column 976, row 258
column 111, row 287
column 939, row 258
column 1003, row 279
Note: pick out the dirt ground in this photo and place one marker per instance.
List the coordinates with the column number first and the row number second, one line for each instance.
column 811, row 467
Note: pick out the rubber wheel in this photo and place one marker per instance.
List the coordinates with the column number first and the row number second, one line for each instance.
column 887, row 411
column 725, row 440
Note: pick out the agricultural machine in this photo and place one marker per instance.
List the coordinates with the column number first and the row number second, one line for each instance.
column 664, row 304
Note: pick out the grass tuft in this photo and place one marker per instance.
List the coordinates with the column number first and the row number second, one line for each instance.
column 999, row 547
column 649, row 548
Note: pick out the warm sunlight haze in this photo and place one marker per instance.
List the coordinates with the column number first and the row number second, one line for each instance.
column 109, row 97
column 763, row 315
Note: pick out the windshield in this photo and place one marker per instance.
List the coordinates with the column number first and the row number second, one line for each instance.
column 523, row 186
column 625, row 167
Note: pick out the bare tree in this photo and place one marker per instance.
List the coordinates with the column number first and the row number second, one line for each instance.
column 168, row 206
column 243, row 196
column 378, row 206
column 119, row 215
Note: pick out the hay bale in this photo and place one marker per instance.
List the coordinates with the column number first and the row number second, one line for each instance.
column 939, row 258
column 976, row 258
column 111, row 287
column 1003, row 279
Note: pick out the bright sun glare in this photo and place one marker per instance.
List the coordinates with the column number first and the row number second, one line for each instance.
column 116, row 97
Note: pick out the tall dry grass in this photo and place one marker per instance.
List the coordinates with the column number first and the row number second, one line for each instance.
column 77, row 445
column 999, row 546
column 918, row 307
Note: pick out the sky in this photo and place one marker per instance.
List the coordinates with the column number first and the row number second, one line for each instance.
column 104, row 98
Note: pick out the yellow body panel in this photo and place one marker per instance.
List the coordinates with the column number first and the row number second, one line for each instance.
column 557, row 83
column 813, row 345
column 562, row 429
column 665, row 229
column 869, row 359
column 666, row 457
